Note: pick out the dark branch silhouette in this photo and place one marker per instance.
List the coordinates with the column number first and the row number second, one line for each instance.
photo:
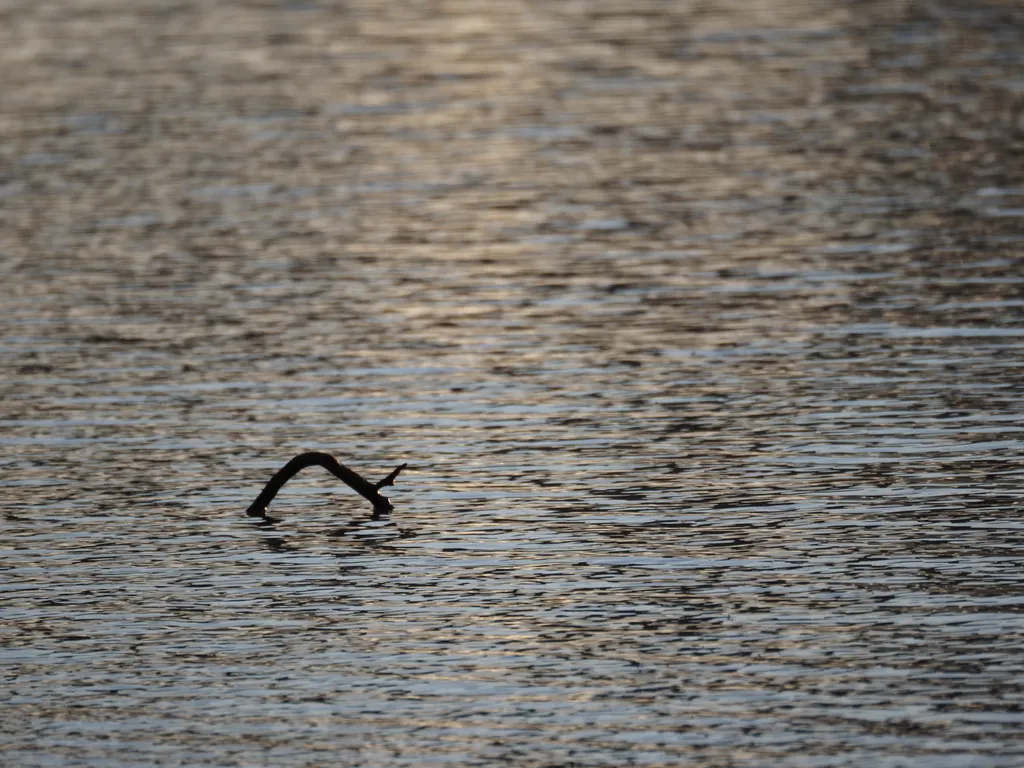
column 355, row 481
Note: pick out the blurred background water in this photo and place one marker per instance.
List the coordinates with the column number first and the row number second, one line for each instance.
column 700, row 325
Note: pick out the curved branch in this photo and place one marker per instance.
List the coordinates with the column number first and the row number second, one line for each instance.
column 353, row 480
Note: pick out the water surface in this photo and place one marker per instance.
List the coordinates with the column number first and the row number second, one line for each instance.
column 699, row 325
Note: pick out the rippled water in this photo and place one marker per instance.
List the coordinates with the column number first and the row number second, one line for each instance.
column 700, row 326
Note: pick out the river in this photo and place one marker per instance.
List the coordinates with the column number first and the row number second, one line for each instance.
column 700, row 326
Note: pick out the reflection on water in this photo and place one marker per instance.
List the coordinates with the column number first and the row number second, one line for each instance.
column 699, row 325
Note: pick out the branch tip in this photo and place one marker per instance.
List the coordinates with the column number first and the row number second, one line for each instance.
column 390, row 479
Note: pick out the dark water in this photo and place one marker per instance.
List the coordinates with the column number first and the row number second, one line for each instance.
column 700, row 325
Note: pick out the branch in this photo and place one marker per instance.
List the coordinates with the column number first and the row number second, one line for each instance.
column 390, row 479
column 352, row 479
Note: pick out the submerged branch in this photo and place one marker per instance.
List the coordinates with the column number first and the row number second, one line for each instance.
column 355, row 481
